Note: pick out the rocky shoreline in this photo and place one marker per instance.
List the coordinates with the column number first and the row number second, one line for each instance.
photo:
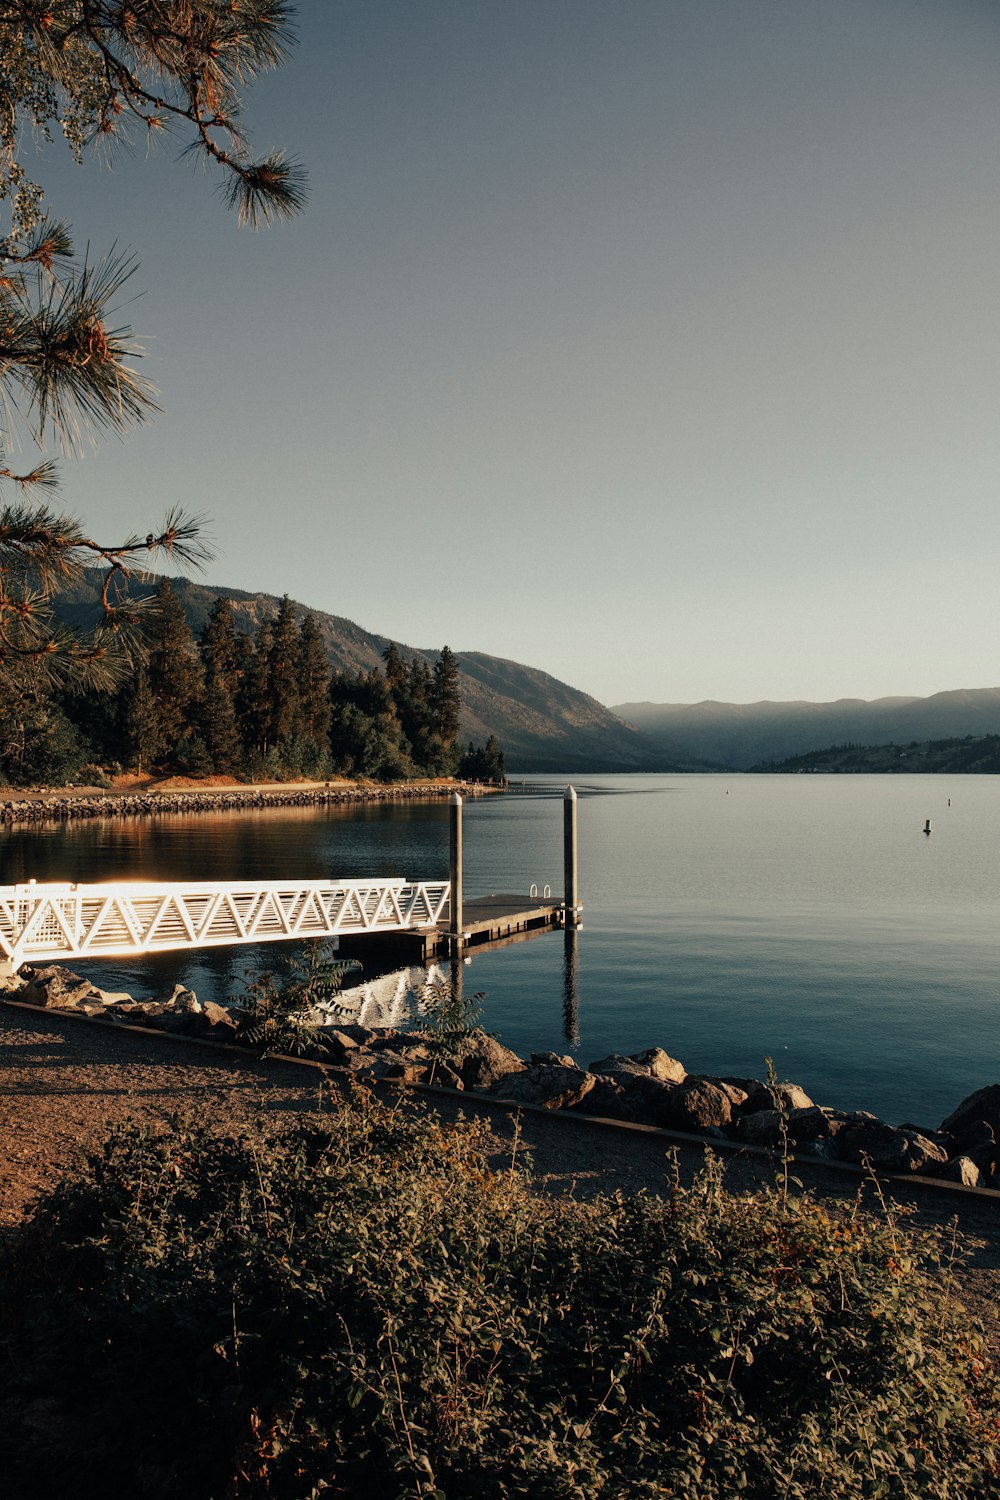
column 226, row 799
column 649, row 1088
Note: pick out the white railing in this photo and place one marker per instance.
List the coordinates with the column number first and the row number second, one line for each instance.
column 48, row 922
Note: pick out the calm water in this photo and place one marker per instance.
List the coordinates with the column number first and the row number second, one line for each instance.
column 726, row 919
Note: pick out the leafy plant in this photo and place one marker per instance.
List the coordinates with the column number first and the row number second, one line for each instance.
column 450, row 1019
column 280, row 1000
column 359, row 1305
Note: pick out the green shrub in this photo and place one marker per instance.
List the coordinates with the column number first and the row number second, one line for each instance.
column 280, row 997
column 357, row 1306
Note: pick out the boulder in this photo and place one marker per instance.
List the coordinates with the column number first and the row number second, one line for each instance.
column 961, row 1169
column 558, row 1059
column 487, row 1062
column 549, row 1085
column 696, row 1106
column 762, row 1095
column 217, row 1020
column 56, row 987
column 923, row 1154
column 185, row 1001
column 865, row 1139
column 653, row 1063
column 982, row 1106
column 810, row 1128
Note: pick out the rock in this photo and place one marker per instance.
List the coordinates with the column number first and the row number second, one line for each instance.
column 813, row 1129
column 653, row 1063
column 184, row 1000
column 759, row 1129
column 556, row 1059
column 487, row 1062
column 961, row 1169
column 695, row 1106
column 865, row 1138
column 549, row 1085
column 217, row 1018
column 982, row 1106
column 56, row 987
column 735, row 1095
column 923, row 1154
column 338, row 1040
column 761, row 1096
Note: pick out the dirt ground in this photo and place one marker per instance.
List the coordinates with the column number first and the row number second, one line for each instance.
column 64, row 1083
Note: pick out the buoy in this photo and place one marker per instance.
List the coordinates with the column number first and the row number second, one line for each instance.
column 927, row 826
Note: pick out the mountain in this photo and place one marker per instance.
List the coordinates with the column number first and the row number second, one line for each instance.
column 541, row 723
column 736, row 736
column 970, row 755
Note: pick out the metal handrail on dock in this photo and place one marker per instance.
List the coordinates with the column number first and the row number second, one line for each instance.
column 48, row 922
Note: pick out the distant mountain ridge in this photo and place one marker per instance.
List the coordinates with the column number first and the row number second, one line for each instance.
column 541, row 723
column 544, row 724
column 736, row 736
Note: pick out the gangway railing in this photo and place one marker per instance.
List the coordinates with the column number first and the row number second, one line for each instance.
column 49, row 922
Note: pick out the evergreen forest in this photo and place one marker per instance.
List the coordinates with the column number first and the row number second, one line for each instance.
column 264, row 706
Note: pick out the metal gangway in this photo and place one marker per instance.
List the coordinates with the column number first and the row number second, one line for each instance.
column 42, row 923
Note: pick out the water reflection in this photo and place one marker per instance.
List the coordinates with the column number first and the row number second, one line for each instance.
column 387, row 1000
column 571, row 986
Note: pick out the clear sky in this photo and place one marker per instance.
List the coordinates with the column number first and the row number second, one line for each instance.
column 651, row 342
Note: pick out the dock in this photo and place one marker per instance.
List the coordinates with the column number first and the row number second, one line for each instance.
column 487, row 922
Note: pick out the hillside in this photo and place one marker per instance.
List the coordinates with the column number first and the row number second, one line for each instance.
column 970, row 755
column 738, row 736
column 542, row 724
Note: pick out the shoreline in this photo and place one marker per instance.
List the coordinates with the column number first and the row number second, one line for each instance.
column 67, row 804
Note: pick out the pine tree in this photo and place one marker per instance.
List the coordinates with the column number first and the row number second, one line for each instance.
column 314, row 689
column 175, row 677
column 446, row 698
column 89, row 71
column 217, row 717
column 141, row 725
column 283, row 679
column 254, row 699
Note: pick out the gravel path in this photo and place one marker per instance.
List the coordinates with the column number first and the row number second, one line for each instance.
column 64, row 1083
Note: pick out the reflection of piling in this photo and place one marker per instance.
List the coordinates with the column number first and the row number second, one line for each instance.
column 571, row 987
column 569, row 856
column 455, row 869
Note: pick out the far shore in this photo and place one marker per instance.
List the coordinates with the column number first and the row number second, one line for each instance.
column 138, row 796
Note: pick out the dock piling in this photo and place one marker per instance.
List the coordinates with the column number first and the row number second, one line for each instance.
column 455, row 868
column 569, row 856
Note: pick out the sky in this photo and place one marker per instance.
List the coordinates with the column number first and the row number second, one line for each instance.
column 655, row 343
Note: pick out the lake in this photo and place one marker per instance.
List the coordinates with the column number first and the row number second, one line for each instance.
column 726, row 919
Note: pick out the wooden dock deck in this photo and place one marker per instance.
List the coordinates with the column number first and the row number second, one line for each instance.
column 487, row 921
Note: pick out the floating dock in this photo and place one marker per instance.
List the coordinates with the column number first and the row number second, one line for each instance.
column 487, row 922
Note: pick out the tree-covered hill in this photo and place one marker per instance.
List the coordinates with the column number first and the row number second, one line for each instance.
column 974, row 754
column 541, row 723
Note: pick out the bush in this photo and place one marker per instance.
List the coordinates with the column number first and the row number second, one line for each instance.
column 357, row 1305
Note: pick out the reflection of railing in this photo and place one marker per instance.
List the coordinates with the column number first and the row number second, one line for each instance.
column 80, row 921
column 385, row 1001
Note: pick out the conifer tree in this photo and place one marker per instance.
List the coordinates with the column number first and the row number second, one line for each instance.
column 283, row 677
column 91, row 70
column 314, row 686
column 141, row 725
column 254, row 701
column 174, row 675
column 217, row 717
column 445, row 696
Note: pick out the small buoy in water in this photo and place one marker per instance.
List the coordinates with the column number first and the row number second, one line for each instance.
column 927, row 826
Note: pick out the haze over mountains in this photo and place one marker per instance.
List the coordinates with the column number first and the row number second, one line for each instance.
column 546, row 725
column 735, row 736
